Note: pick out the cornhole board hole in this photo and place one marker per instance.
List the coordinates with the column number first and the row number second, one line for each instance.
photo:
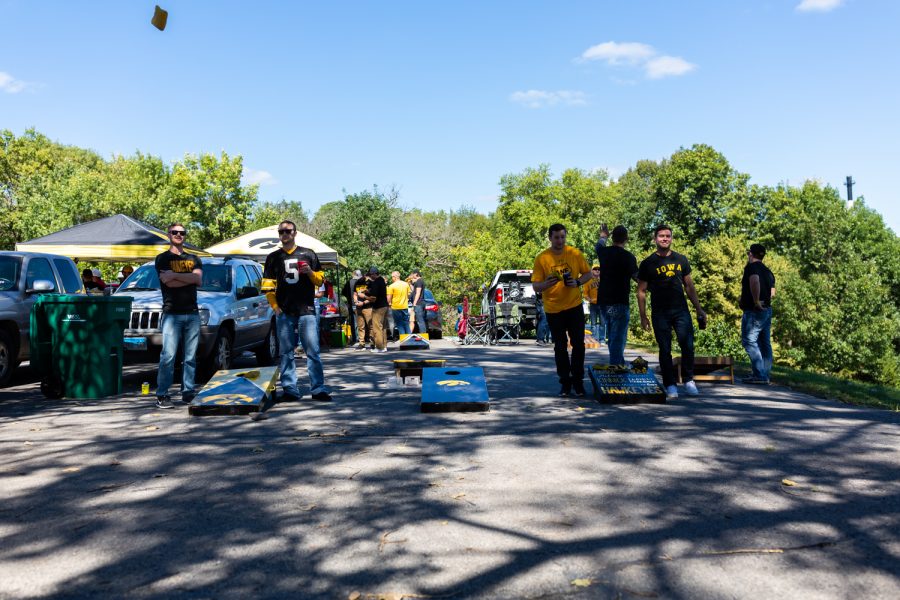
column 457, row 389
column 626, row 387
column 414, row 341
column 708, row 368
column 404, row 368
column 235, row 392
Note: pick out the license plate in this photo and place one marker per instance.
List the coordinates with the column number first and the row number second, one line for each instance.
column 135, row 343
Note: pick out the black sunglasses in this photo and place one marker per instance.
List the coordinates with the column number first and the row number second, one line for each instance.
column 285, row 231
column 178, row 232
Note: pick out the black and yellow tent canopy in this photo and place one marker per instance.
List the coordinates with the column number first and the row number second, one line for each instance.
column 118, row 238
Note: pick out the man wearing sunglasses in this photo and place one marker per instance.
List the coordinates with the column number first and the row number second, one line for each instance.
column 290, row 279
column 179, row 273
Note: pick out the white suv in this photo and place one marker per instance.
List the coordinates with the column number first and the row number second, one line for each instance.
column 234, row 313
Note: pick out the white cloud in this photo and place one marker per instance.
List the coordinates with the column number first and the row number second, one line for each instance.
column 615, row 53
column 636, row 54
column 258, row 177
column 818, row 5
column 10, row 84
column 667, row 66
column 542, row 98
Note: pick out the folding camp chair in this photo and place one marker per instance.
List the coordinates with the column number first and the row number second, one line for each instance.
column 478, row 330
column 505, row 324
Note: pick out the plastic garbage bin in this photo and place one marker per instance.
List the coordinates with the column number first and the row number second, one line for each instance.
column 76, row 343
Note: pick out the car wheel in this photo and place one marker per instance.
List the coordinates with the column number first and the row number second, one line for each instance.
column 220, row 359
column 267, row 352
column 7, row 358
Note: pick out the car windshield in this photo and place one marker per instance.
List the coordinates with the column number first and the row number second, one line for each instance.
column 216, row 278
column 10, row 267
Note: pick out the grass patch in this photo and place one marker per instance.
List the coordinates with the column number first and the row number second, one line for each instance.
column 816, row 384
column 829, row 386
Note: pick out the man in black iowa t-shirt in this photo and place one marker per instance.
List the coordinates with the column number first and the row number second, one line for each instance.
column 294, row 273
column 667, row 275
column 757, row 291
column 179, row 275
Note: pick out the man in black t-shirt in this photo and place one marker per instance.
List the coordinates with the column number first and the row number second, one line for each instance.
column 667, row 275
column 418, row 300
column 180, row 273
column 290, row 279
column 349, row 292
column 757, row 291
column 377, row 305
column 618, row 267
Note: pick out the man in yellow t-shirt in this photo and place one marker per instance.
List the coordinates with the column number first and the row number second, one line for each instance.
column 598, row 320
column 398, row 296
column 559, row 272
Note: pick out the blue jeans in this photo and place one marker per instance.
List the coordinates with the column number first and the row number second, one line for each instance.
column 401, row 320
column 288, row 327
column 178, row 330
column 617, row 317
column 543, row 329
column 663, row 324
column 420, row 318
column 598, row 322
column 756, row 329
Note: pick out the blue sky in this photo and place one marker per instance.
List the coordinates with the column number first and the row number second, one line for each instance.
column 442, row 98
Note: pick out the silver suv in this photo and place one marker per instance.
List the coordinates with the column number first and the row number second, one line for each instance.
column 23, row 277
column 234, row 313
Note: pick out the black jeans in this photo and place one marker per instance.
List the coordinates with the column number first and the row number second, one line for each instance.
column 663, row 324
column 571, row 322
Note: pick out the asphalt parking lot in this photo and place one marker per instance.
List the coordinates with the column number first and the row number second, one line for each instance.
column 365, row 497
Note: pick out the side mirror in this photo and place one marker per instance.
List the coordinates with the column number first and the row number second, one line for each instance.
column 41, row 285
column 247, row 291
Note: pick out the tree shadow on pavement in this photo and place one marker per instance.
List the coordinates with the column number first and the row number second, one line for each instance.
column 684, row 500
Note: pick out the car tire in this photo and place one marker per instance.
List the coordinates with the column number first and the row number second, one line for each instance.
column 222, row 352
column 267, row 352
column 7, row 358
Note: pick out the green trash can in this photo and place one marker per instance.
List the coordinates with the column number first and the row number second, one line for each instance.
column 76, row 343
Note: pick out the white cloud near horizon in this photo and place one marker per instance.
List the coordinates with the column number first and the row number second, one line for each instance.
column 258, row 177
column 818, row 5
column 543, row 98
column 615, row 53
column 636, row 54
column 667, row 66
column 10, row 84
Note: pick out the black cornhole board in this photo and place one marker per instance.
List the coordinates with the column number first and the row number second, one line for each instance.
column 611, row 387
column 413, row 368
column 457, row 389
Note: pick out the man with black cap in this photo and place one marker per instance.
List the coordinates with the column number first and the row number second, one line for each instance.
column 376, row 298
column 757, row 291
column 418, row 301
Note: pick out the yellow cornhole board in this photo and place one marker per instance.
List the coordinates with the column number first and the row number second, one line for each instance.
column 235, row 392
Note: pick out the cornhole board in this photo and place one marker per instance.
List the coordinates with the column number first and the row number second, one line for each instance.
column 457, row 389
column 413, row 368
column 414, row 341
column 708, row 368
column 626, row 387
column 235, row 392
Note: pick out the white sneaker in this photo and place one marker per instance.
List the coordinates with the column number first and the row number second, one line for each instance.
column 671, row 392
column 690, row 388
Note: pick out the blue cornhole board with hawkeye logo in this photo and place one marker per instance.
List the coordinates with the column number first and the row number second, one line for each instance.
column 456, row 389
column 235, row 392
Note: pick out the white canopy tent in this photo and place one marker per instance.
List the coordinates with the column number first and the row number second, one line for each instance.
column 257, row 245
